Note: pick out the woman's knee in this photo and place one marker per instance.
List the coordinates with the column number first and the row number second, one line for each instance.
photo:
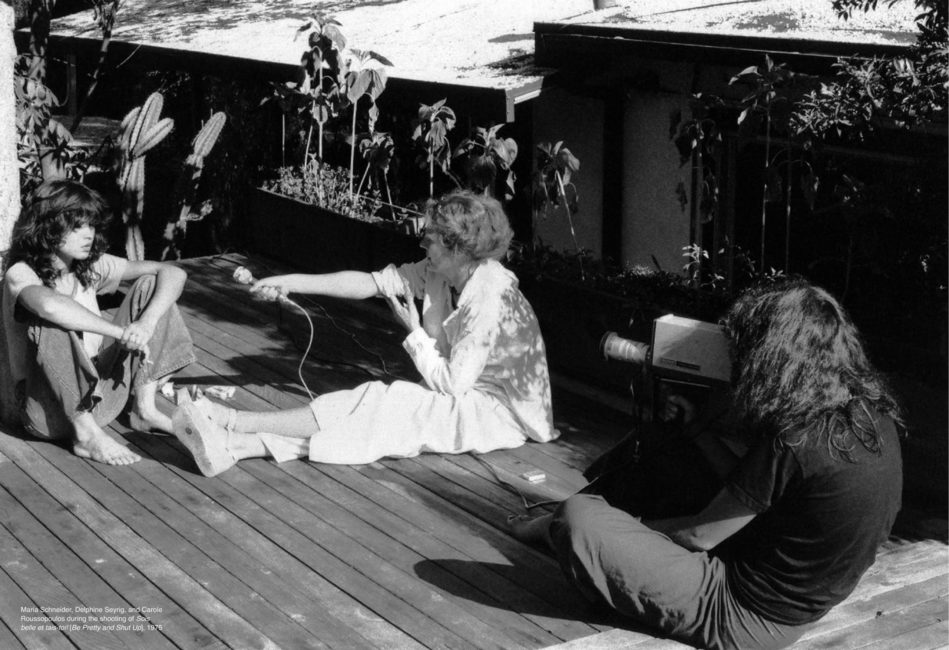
column 144, row 285
column 581, row 511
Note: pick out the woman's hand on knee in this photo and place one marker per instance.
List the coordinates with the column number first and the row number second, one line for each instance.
column 136, row 335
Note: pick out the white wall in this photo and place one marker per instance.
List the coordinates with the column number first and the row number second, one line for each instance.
column 578, row 121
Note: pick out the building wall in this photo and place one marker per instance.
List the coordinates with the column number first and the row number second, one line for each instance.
column 578, row 121
column 655, row 224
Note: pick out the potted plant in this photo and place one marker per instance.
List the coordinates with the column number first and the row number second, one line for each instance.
column 316, row 216
column 485, row 154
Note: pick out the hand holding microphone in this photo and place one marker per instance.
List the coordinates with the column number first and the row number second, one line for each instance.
column 271, row 292
column 244, row 276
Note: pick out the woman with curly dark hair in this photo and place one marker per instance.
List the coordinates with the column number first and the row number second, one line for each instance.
column 73, row 367
column 795, row 522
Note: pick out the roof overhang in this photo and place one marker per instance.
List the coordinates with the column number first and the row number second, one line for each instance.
column 566, row 46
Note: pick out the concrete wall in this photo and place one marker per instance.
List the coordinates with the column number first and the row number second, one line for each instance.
column 653, row 222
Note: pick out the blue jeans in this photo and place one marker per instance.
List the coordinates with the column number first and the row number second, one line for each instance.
column 62, row 381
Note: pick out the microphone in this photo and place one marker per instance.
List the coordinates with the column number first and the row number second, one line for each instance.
column 244, row 276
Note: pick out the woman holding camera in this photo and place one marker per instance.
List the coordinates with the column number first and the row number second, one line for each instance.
column 795, row 522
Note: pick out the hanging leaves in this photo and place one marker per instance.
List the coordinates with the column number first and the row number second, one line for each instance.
column 484, row 155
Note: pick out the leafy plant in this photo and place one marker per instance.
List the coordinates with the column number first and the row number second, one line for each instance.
column 484, row 154
column 902, row 91
column 325, row 186
column 698, row 258
column 44, row 145
column 289, row 100
column 698, row 140
column 377, row 151
column 187, row 187
column 431, row 133
column 767, row 98
column 365, row 77
column 321, row 68
column 556, row 165
column 651, row 292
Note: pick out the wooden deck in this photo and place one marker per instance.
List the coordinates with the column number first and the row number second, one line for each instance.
column 397, row 554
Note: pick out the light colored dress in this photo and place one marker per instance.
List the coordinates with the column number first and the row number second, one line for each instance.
column 484, row 370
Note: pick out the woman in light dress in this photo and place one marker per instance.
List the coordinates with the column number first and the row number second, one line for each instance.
column 476, row 344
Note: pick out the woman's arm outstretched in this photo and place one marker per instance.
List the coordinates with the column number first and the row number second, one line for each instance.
column 355, row 285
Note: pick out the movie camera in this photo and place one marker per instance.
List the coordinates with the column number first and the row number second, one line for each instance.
column 685, row 356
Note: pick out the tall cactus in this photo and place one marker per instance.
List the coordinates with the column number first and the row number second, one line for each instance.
column 140, row 131
column 187, row 187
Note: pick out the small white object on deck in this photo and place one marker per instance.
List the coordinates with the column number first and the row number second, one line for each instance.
column 534, row 476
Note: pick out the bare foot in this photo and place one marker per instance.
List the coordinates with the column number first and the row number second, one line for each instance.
column 145, row 415
column 103, row 449
column 530, row 530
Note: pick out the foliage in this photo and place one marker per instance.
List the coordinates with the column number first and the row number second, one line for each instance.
column 430, row 132
column 555, row 168
column 325, row 186
column 651, row 291
column 44, row 145
column 903, row 91
column 377, row 150
column 484, row 154
column 698, row 140
column 365, row 77
column 186, row 189
column 768, row 98
column 322, row 77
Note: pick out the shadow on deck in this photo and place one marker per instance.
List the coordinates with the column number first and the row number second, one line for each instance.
column 408, row 553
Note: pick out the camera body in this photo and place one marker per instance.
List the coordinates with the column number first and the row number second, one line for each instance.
column 682, row 349
column 690, row 350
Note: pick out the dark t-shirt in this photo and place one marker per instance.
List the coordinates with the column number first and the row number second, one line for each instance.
column 820, row 521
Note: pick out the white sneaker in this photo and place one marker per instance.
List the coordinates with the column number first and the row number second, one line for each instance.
column 206, row 440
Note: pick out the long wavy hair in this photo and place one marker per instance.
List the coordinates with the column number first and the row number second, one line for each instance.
column 801, row 372
column 53, row 210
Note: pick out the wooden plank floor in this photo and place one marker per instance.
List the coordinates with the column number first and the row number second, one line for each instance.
column 407, row 553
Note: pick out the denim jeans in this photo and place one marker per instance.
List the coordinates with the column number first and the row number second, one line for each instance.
column 613, row 558
column 62, row 381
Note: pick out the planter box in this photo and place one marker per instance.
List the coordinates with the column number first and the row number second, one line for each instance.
column 316, row 240
column 573, row 320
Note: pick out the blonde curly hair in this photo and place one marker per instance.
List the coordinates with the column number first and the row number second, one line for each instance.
column 470, row 223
